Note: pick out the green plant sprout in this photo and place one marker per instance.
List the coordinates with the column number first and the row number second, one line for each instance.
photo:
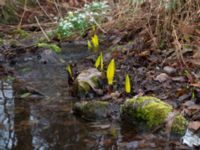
column 89, row 45
column 99, row 62
column 69, row 71
column 95, row 42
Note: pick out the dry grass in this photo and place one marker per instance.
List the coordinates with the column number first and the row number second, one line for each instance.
column 158, row 26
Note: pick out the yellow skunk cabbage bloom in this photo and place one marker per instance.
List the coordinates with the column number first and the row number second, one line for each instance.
column 89, row 45
column 127, row 84
column 69, row 71
column 99, row 61
column 111, row 72
column 95, row 42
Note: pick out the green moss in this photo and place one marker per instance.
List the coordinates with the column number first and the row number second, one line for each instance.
column 96, row 81
column 179, row 125
column 151, row 110
column 21, row 33
column 1, row 42
column 88, row 81
column 83, row 88
column 52, row 47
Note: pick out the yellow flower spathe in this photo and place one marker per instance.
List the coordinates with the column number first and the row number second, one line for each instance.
column 127, row 84
column 89, row 45
column 95, row 42
column 111, row 72
column 99, row 61
column 69, row 71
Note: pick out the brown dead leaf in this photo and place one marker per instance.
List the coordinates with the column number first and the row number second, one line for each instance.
column 190, row 108
column 144, row 54
column 195, row 85
column 194, row 125
column 194, row 107
column 195, row 62
column 196, row 57
column 187, row 29
column 196, row 54
column 101, row 126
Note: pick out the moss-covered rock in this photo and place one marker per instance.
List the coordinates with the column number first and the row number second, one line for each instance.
column 92, row 110
column 179, row 125
column 152, row 112
column 88, row 81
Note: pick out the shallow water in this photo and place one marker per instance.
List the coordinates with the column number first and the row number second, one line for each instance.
column 48, row 123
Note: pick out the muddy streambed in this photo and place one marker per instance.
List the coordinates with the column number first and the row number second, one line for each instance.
column 46, row 121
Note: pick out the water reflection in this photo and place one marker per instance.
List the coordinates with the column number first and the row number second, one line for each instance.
column 7, row 134
column 49, row 124
column 45, row 124
column 27, row 124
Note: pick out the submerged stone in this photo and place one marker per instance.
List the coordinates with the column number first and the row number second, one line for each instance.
column 88, row 81
column 152, row 112
column 94, row 110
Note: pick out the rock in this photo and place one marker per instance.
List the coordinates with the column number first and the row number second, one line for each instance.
column 179, row 125
column 162, row 77
column 93, row 110
column 184, row 97
column 169, row 70
column 88, row 81
column 191, row 139
column 48, row 56
column 152, row 112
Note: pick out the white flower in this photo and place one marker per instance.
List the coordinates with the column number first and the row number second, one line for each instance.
column 92, row 19
column 81, row 16
column 70, row 13
column 95, row 14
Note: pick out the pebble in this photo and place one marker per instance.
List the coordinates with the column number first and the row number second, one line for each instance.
column 162, row 77
column 179, row 79
column 2, row 58
column 169, row 70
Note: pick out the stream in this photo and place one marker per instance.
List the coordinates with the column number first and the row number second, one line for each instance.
column 42, row 123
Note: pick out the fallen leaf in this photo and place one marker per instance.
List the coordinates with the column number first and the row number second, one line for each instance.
column 25, row 95
column 162, row 77
column 102, row 126
column 195, row 125
column 195, row 85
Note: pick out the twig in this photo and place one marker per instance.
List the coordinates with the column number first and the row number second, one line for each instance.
column 98, row 24
column 44, row 10
column 178, row 47
column 46, row 36
column 25, row 7
column 56, row 5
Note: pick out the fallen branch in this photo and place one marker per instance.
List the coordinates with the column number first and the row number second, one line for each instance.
column 46, row 36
